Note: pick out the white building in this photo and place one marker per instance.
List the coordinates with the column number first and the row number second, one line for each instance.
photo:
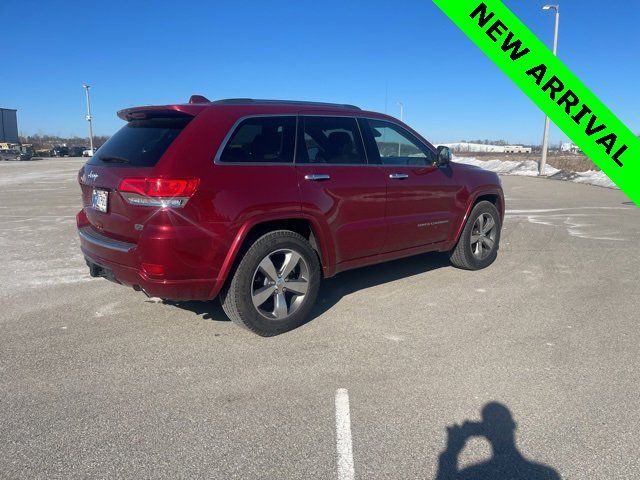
column 517, row 149
column 462, row 147
column 472, row 147
column 570, row 148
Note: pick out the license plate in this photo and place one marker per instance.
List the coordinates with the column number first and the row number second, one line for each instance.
column 99, row 199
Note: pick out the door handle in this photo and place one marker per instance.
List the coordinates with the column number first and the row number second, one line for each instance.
column 398, row 176
column 317, row 177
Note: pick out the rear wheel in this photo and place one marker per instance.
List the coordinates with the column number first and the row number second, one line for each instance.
column 275, row 285
column 478, row 244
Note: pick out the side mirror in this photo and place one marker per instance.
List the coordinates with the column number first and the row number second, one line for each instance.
column 444, row 156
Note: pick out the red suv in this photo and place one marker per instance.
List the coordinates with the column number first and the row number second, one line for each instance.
column 255, row 201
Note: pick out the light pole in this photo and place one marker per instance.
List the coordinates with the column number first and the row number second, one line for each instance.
column 545, row 136
column 86, row 89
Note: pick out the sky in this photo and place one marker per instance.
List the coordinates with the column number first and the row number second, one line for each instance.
column 371, row 53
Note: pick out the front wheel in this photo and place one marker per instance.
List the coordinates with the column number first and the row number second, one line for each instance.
column 275, row 285
column 478, row 244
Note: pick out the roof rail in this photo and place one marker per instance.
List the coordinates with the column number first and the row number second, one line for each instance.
column 243, row 101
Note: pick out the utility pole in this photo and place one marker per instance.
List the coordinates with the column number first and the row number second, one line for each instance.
column 86, row 89
column 545, row 136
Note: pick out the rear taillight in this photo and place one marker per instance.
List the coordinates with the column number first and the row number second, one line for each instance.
column 158, row 192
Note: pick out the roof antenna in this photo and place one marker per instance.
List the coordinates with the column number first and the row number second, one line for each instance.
column 198, row 99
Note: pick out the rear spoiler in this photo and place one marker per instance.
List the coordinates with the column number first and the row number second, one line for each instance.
column 163, row 111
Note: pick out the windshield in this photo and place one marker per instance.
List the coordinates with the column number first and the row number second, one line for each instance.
column 140, row 143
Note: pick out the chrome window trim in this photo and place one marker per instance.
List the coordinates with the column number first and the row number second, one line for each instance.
column 227, row 138
column 216, row 159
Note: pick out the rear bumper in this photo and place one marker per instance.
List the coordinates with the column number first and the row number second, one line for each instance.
column 138, row 280
column 90, row 236
column 175, row 262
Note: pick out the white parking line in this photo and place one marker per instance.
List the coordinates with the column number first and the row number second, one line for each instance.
column 343, row 436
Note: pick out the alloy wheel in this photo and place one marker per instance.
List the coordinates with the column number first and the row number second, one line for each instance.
column 280, row 284
column 483, row 236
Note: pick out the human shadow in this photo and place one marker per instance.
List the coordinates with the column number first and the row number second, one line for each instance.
column 507, row 463
column 334, row 289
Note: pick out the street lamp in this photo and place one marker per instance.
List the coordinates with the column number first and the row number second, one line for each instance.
column 545, row 136
column 88, row 117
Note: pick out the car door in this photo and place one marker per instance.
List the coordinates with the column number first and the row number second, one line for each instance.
column 420, row 196
column 338, row 187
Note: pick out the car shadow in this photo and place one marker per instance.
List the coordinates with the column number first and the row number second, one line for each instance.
column 332, row 290
column 211, row 310
column 498, row 428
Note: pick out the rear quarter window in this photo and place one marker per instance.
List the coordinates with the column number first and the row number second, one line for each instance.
column 261, row 140
column 140, row 143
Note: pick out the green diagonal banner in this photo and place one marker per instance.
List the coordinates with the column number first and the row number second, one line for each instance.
column 551, row 85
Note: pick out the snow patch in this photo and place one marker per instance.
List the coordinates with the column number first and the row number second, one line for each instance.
column 529, row 168
column 580, row 225
column 592, row 177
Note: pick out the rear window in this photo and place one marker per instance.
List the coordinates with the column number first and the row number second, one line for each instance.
column 333, row 140
column 140, row 143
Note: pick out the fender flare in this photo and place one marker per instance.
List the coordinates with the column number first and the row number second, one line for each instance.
column 479, row 192
column 319, row 230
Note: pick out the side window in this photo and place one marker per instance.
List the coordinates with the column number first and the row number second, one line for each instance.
column 261, row 139
column 332, row 140
column 397, row 146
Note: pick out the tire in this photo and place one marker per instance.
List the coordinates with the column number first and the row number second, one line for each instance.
column 466, row 254
column 251, row 283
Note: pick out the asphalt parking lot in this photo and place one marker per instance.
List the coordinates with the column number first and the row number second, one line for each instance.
column 97, row 380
